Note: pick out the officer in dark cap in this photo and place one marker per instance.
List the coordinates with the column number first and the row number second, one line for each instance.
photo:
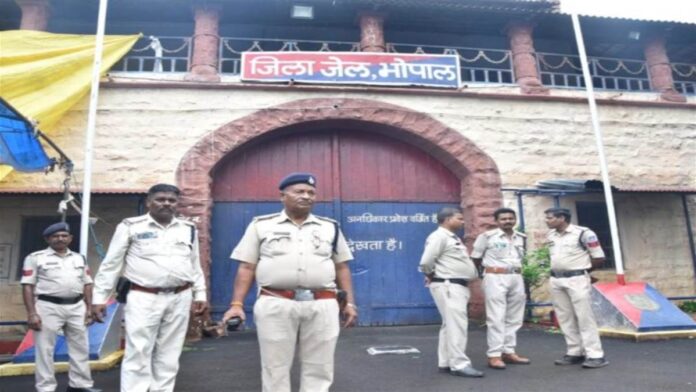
column 57, row 290
column 298, row 261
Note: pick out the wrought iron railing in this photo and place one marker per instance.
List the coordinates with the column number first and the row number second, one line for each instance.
column 157, row 54
column 491, row 66
column 487, row 66
column 559, row 70
column 684, row 76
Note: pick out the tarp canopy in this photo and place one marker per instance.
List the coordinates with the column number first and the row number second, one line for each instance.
column 19, row 146
column 44, row 74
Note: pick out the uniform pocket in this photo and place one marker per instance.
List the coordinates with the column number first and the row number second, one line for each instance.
column 277, row 244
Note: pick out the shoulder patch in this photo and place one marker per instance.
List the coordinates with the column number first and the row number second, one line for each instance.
column 265, row 217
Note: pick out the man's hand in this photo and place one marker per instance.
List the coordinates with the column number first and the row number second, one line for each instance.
column 198, row 307
column 426, row 280
column 99, row 313
column 350, row 315
column 34, row 322
column 234, row 311
column 89, row 320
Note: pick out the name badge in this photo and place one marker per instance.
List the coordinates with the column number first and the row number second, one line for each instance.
column 146, row 235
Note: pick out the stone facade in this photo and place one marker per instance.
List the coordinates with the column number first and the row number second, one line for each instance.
column 148, row 133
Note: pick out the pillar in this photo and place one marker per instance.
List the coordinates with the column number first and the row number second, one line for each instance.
column 523, row 58
column 660, row 69
column 206, row 39
column 372, row 32
column 35, row 14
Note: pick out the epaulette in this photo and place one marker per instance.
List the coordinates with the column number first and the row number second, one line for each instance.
column 133, row 220
column 187, row 222
column 490, row 233
column 38, row 252
column 265, row 217
column 324, row 218
column 520, row 234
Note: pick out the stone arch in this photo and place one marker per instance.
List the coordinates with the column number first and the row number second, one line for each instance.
column 477, row 171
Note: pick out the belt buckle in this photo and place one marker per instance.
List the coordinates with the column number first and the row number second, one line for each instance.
column 304, row 295
column 167, row 290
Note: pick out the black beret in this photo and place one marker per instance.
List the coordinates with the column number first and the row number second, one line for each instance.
column 56, row 227
column 297, row 178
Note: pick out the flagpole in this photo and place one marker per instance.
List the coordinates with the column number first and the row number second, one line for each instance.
column 91, row 122
column 608, row 197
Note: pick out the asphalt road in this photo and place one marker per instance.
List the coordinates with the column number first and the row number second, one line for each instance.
column 232, row 364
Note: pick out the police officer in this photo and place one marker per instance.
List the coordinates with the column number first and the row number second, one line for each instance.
column 574, row 251
column 159, row 256
column 298, row 260
column 500, row 251
column 448, row 271
column 57, row 286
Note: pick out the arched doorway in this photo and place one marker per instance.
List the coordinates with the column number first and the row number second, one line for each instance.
column 384, row 192
column 479, row 179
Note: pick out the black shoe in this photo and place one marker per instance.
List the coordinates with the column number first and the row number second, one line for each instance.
column 570, row 360
column 467, row 372
column 595, row 363
column 443, row 369
column 73, row 389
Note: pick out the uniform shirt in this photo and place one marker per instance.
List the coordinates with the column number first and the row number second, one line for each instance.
column 567, row 253
column 499, row 250
column 290, row 256
column 63, row 276
column 446, row 256
column 154, row 255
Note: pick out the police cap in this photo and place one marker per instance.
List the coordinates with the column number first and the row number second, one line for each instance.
column 297, row 178
column 56, row 227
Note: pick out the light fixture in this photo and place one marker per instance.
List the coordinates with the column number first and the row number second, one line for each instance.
column 634, row 35
column 302, row 11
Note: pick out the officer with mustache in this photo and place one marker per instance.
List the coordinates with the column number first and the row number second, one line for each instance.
column 57, row 290
column 158, row 253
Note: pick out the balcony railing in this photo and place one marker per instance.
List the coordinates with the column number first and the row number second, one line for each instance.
column 478, row 65
column 157, row 54
column 558, row 70
column 684, row 78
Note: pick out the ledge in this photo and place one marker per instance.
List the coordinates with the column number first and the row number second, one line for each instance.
column 507, row 92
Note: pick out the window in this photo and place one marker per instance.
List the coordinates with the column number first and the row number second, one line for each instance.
column 594, row 216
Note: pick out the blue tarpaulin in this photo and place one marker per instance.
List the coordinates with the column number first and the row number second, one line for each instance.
column 19, row 145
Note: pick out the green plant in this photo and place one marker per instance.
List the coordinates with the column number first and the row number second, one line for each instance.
column 536, row 266
column 688, row 306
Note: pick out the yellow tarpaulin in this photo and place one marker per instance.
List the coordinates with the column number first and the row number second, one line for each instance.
column 44, row 74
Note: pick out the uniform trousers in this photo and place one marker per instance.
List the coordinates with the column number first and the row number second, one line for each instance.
column 505, row 300
column 71, row 319
column 281, row 325
column 572, row 302
column 156, row 326
column 452, row 300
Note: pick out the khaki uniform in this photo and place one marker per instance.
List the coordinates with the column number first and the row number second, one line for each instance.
column 62, row 276
column 446, row 257
column 505, row 296
column 571, row 296
column 153, row 256
column 287, row 257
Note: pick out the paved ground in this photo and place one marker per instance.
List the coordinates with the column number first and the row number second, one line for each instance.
column 232, row 364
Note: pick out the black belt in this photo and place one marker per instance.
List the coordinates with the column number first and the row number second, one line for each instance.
column 61, row 301
column 462, row 282
column 567, row 274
